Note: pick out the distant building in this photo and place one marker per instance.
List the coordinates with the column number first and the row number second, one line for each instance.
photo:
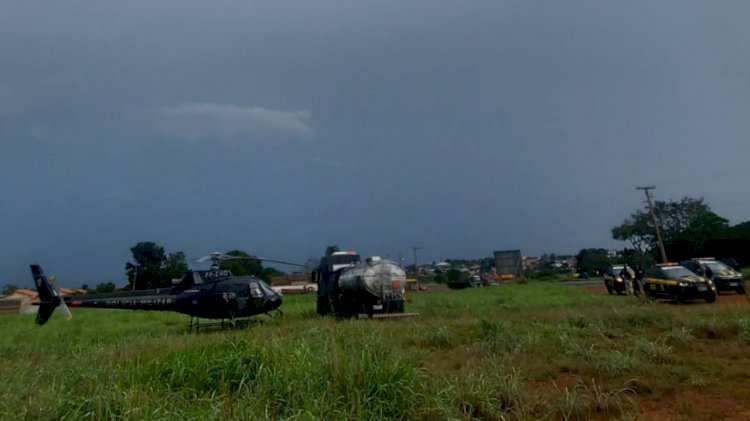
column 19, row 302
column 508, row 262
column 22, row 300
column 531, row 262
column 10, row 306
column 72, row 291
column 443, row 266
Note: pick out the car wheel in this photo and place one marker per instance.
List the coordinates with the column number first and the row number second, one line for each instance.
column 609, row 289
column 675, row 298
column 741, row 290
column 710, row 297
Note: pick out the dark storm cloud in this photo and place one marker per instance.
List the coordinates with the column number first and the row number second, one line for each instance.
column 460, row 128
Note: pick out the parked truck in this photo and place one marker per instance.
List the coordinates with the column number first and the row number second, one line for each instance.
column 348, row 287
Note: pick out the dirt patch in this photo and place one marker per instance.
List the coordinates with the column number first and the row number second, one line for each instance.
column 731, row 298
column 696, row 405
column 595, row 289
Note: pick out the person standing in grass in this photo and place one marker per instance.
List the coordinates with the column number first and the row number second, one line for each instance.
column 627, row 278
column 639, row 272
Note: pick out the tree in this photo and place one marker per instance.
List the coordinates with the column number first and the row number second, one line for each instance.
column 105, row 288
column 592, row 261
column 146, row 272
column 735, row 243
column 636, row 231
column 633, row 257
column 703, row 228
column 706, row 235
column 152, row 267
column 332, row 249
column 245, row 265
column 175, row 266
column 270, row 273
column 674, row 217
column 9, row 289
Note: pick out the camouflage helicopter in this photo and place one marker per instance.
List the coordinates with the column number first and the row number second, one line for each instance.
column 210, row 294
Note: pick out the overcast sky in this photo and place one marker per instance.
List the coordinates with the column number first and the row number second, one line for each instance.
column 280, row 127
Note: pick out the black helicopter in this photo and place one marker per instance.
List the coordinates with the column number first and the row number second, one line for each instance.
column 208, row 294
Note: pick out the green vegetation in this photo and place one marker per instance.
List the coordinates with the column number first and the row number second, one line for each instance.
column 153, row 267
column 689, row 229
column 9, row 289
column 245, row 265
column 105, row 288
column 517, row 351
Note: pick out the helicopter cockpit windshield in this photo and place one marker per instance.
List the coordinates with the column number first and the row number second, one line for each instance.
column 255, row 291
column 267, row 291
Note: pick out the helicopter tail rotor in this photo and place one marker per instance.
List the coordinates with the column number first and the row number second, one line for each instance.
column 63, row 307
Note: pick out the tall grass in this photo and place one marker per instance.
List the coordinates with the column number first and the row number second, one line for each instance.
column 518, row 351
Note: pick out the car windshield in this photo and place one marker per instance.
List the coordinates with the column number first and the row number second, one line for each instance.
column 717, row 266
column 677, row 272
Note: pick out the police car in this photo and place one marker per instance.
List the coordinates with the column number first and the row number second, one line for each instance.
column 725, row 278
column 677, row 283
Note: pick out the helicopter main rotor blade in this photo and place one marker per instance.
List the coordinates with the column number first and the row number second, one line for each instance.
column 212, row 256
column 280, row 261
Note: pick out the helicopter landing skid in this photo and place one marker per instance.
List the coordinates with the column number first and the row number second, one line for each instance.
column 195, row 324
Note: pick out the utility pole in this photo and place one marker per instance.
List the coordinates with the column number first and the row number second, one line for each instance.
column 646, row 190
column 135, row 273
column 416, row 268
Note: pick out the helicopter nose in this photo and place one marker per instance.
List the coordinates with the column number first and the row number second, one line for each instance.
column 273, row 299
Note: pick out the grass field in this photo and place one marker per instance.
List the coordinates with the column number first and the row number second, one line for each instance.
column 518, row 351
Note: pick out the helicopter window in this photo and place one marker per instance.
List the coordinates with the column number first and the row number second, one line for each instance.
column 267, row 290
column 195, row 278
column 255, row 291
